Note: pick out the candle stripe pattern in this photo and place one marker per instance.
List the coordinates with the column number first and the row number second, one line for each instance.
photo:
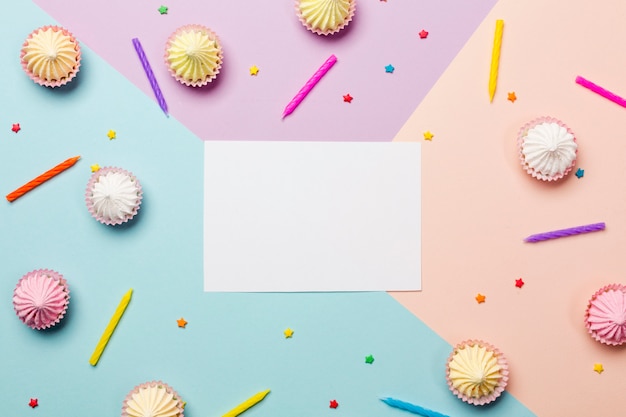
column 306, row 89
column 14, row 195
column 151, row 78
column 555, row 234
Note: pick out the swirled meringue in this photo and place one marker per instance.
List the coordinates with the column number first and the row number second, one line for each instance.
column 476, row 372
column 153, row 399
column 51, row 56
column 40, row 298
column 606, row 315
column 193, row 55
column 113, row 195
column 547, row 149
column 325, row 17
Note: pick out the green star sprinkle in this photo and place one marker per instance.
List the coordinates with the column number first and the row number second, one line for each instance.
column 369, row 359
column 163, row 9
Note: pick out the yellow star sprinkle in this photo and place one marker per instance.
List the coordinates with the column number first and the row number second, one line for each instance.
column 254, row 70
column 480, row 298
column 111, row 134
column 95, row 167
column 288, row 333
column 181, row 322
column 598, row 368
column 428, row 135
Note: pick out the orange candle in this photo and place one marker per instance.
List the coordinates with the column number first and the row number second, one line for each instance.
column 42, row 178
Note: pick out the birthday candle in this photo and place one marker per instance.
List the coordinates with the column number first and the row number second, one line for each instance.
column 151, row 78
column 42, row 178
column 106, row 335
column 601, row 91
column 495, row 58
column 555, row 234
column 412, row 408
column 256, row 398
column 306, row 89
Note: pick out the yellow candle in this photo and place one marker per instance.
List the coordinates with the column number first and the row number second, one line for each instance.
column 106, row 335
column 495, row 58
column 256, row 398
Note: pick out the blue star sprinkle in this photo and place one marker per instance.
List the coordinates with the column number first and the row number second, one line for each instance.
column 580, row 173
column 389, row 68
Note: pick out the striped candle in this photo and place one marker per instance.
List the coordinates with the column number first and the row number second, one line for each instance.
column 555, row 234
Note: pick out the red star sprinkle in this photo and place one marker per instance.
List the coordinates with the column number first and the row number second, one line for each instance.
column 334, row 404
column 423, row 34
column 33, row 402
column 519, row 283
column 347, row 98
column 16, row 127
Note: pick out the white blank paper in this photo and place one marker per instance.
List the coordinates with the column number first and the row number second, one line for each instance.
column 312, row 216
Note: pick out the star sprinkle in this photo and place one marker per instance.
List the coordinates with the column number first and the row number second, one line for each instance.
column 288, row 333
column 511, row 97
column 254, row 70
column 423, row 34
column 334, row 404
column 519, row 283
column 16, row 127
column 347, row 98
column 95, row 167
column 111, row 134
column 33, row 402
column 428, row 135
column 580, row 173
column 181, row 322
column 598, row 368
column 389, row 68
column 369, row 359
column 480, row 298
column 163, row 9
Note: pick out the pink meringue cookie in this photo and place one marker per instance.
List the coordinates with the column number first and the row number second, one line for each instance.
column 605, row 317
column 40, row 298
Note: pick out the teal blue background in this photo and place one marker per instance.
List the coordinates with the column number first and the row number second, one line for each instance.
column 233, row 345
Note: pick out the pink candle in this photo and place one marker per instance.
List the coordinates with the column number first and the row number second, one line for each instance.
column 309, row 85
column 601, row 91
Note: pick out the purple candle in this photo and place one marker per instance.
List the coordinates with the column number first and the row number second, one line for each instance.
column 151, row 78
column 555, row 234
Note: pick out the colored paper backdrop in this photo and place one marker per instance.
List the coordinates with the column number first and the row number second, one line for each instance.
column 478, row 206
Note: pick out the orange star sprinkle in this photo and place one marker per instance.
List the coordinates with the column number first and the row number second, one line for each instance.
column 181, row 322
column 480, row 298
column 512, row 97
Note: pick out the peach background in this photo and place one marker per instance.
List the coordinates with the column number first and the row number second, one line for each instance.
column 478, row 203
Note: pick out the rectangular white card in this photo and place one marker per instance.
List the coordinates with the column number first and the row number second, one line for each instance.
column 312, row 216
